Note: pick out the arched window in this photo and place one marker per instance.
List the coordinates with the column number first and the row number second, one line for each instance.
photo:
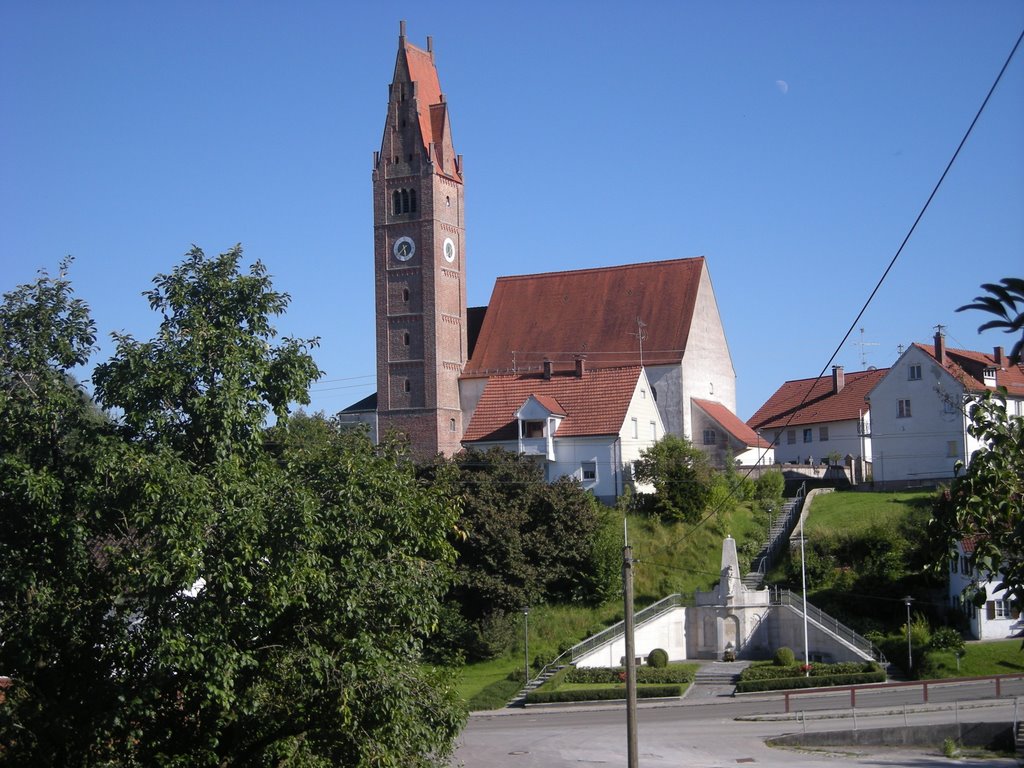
column 412, row 200
column 451, row 425
column 396, row 202
column 405, row 295
column 405, row 201
column 408, row 385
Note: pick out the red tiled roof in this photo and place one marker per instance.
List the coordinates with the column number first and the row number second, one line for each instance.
column 731, row 423
column 821, row 404
column 593, row 405
column 968, row 367
column 594, row 312
column 430, row 107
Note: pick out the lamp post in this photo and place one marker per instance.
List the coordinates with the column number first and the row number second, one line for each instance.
column 803, row 577
column 910, row 651
column 526, row 645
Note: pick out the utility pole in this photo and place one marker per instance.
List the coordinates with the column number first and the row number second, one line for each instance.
column 627, row 594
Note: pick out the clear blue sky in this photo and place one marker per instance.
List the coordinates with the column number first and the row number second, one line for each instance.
column 791, row 143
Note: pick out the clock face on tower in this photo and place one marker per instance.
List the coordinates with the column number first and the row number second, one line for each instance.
column 449, row 250
column 404, row 248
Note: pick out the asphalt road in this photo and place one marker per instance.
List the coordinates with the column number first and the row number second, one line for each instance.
column 714, row 730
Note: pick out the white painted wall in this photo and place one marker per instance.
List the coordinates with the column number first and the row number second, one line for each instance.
column 925, row 445
column 843, row 438
column 981, row 626
column 668, row 631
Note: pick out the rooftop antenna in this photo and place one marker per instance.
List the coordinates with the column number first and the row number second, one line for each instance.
column 863, row 353
column 640, row 336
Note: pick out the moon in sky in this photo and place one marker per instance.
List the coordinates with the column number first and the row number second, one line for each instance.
column 783, row 86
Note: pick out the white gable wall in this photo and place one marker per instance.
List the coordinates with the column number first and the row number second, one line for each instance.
column 925, row 445
column 707, row 368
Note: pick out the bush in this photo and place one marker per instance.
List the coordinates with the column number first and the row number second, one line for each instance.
column 602, row 694
column 677, row 673
column 815, row 681
column 947, row 639
column 784, row 657
column 770, row 486
column 657, row 658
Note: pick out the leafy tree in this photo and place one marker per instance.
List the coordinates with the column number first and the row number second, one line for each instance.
column 681, row 476
column 523, row 541
column 208, row 381
column 985, row 501
column 187, row 587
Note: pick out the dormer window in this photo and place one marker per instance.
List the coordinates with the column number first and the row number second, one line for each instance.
column 989, row 375
column 533, row 429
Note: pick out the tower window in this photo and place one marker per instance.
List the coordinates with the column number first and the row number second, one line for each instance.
column 412, row 197
column 405, row 338
column 396, row 202
column 405, row 201
column 447, row 201
column 451, row 425
column 408, row 386
column 405, row 295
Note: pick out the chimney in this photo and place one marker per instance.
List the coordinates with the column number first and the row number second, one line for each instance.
column 838, row 379
column 998, row 355
column 547, row 369
column 581, row 366
column 940, row 347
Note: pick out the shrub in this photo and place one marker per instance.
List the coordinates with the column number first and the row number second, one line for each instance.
column 784, row 657
column 676, row 673
column 947, row 639
column 602, row 694
column 815, row 681
column 657, row 658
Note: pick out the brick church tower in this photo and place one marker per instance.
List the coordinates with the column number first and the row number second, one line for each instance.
column 419, row 261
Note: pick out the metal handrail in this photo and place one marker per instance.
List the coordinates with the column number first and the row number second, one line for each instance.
column 830, row 624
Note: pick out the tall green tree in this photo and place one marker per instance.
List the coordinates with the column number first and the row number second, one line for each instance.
column 681, row 476
column 187, row 587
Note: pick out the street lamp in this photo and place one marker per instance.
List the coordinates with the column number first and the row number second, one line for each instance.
column 526, row 645
column 803, row 579
column 910, row 652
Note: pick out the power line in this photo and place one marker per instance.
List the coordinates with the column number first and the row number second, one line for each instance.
column 878, row 285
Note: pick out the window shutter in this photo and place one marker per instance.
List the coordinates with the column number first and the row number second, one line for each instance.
column 990, row 610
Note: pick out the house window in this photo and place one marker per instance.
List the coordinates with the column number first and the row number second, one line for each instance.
column 589, row 471
column 791, row 437
column 951, row 449
column 914, row 372
column 1001, row 609
column 654, row 430
column 808, row 435
column 903, row 409
column 636, row 430
column 643, row 394
column 823, row 434
column 965, row 565
column 709, row 437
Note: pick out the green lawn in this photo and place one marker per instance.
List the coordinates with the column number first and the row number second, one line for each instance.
column 850, row 512
column 990, row 657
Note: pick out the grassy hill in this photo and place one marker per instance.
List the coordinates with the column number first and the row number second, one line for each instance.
column 673, row 557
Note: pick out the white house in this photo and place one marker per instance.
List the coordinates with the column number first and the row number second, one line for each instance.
column 810, row 420
column 919, row 410
column 999, row 617
column 588, row 424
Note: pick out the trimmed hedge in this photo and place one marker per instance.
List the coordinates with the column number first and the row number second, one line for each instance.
column 815, row 681
column 772, row 672
column 614, row 675
column 602, row 694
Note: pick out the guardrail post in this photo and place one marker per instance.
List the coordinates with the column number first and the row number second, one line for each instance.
column 925, row 686
column 787, row 703
column 998, row 680
column 853, row 699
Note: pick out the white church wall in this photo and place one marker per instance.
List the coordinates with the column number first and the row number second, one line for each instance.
column 668, row 631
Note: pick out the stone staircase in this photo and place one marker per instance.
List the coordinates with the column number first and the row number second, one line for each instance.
column 519, row 700
column 782, row 526
column 721, row 674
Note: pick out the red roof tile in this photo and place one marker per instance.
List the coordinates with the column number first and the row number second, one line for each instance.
column 557, row 315
column 968, row 367
column 821, row 405
column 731, row 423
column 593, row 405
column 431, row 109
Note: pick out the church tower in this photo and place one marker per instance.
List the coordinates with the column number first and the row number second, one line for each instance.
column 419, row 261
